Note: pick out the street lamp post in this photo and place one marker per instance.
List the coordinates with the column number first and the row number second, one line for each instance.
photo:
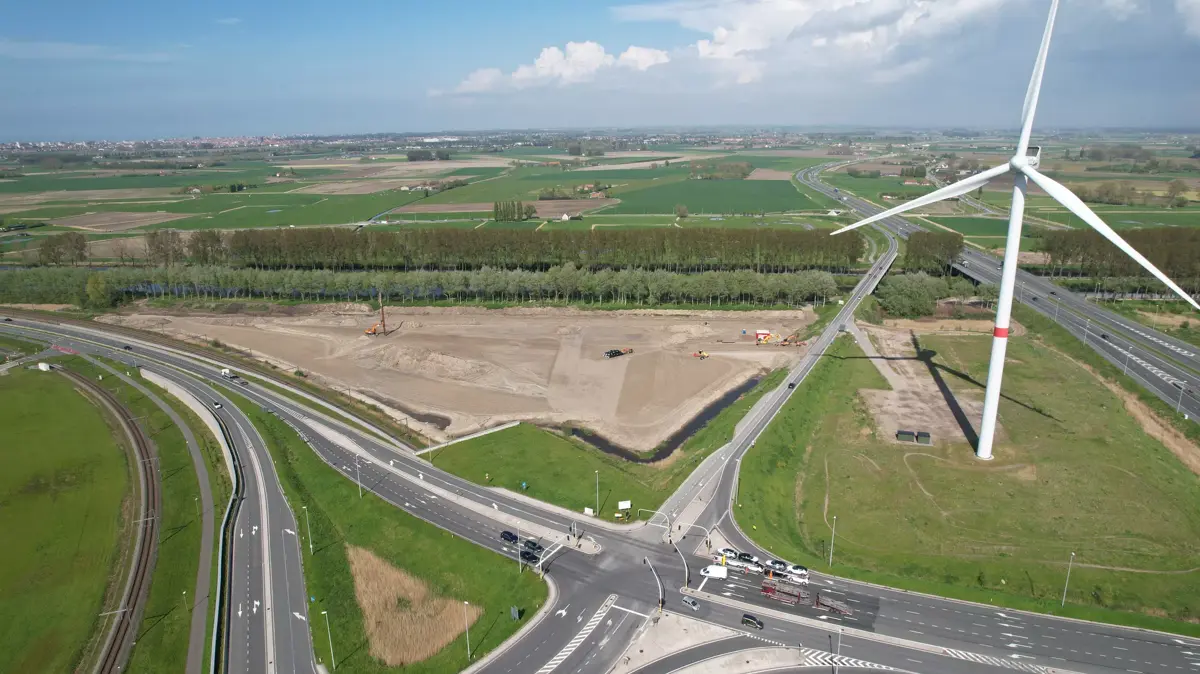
column 1086, row 327
column 1070, row 563
column 358, row 476
column 597, row 493
column 1127, row 355
column 832, row 540
column 1179, row 403
column 332, row 659
column 309, row 525
column 467, row 624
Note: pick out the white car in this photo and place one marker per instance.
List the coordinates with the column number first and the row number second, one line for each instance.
column 735, row 563
column 216, row 405
column 797, row 570
column 755, row 568
column 728, row 552
column 715, row 571
column 799, row 580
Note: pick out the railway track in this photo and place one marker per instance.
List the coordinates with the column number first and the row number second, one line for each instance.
column 119, row 642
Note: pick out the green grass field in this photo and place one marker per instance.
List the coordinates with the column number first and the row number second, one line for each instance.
column 975, row 226
column 63, row 483
column 1065, row 479
column 1130, row 217
column 712, row 196
column 994, row 242
column 562, row 471
column 450, row 566
column 871, row 188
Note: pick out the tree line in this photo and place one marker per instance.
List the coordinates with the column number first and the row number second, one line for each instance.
column 512, row 211
column 427, row 155
column 566, row 283
column 1174, row 250
column 671, row 249
column 915, row 295
column 1124, row 193
column 932, row 252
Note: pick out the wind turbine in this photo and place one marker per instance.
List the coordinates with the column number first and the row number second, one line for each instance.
column 1024, row 165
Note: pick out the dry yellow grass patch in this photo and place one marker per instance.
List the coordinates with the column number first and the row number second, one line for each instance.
column 405, row 621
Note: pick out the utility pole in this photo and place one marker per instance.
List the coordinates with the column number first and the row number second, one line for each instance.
column 1086, row 327
column 332, row 659
column 1127, row 355
column 832, row 540
column 1070, row 563
column 661, row 592
column 309, row 524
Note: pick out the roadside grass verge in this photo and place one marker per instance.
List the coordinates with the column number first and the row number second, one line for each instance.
column 562, row 471
column 450, row 566
column 16, row 345
column 162, row 636
column 1068, row 478
column 65, row 486
column 1174, row 318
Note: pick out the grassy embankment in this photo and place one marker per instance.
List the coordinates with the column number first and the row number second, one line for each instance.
column 1066, row 479
column 562, row 471
column 163, row 635
column 449, row 566
column 65, row 486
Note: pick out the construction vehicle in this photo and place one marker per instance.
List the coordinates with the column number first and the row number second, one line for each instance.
column 700, row 354
column 379, row 328
column 785, row 591
column 613, row 353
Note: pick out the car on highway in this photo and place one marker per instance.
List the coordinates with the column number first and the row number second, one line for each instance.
column 691, row 603
column 747, row 557
column 1053, row 292
column 534, row 546
column 508, row 537
column 127, row 347
column 797, row 570
column 714, row 571
column 750, row 621
column 7, row 319
column 529, row 558
column 728, row 552
column 778, row 565
column 216, row 405
column 791, row 384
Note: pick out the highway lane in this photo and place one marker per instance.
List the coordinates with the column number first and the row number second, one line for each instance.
column 1166, row 359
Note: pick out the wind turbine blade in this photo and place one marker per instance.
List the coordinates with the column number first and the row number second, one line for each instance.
column 1067, row 198
column 1035, row 83
column 949, row 191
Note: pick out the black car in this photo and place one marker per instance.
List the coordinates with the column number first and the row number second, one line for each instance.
column 7, row 319
column 127, row 347
column 1104, row 335
column 508, row 537
column 791, row 384
column 1054, row 292
column 529, row 557
column 534, row 546
column 750, row 621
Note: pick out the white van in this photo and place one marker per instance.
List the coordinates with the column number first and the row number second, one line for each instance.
column 715, row 571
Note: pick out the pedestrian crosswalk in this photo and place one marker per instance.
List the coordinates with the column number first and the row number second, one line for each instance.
column 995, row 661
column 579, row 638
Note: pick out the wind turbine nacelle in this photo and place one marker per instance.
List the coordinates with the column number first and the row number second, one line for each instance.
column 1033, row 155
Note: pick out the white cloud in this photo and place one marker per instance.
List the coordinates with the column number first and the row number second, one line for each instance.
column 1190, row 11
column 229, row 21
column 1121, row 9
column 642, row 58
column 72, row 51
column 578, row 62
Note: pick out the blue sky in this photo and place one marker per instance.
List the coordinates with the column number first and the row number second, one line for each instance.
column 136, row 69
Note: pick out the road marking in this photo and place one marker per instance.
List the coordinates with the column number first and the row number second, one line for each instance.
column 579, row 638
column 622, row 608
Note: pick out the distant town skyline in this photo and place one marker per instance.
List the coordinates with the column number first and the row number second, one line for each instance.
column 140, row 70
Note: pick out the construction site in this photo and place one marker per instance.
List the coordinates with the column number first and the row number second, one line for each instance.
column 633, row 377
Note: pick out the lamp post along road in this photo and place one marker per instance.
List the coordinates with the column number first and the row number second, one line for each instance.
column 308, row 524
column 832, row 540
column 467, row 625
column 1024, row 166
column 597, row 493
column 1070, row 563
column 1178, row 403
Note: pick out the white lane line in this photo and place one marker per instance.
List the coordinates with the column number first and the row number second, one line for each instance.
column 622, row 608
column 579, row 638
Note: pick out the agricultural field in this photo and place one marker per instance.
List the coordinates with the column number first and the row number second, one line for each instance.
column 1132, row 218
column 909, row 515
column 62, row 517
column 974, row 226
column 392, row 584
column 712, row 196
column 993, row 243
column 871, row 188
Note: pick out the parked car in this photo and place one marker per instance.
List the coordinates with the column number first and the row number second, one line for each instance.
column 750, row 621
column 715, row 571
column 534, row 546
column 728, row 552
column 528, row 557
column 691, row 603
column 747, row 557
column 508, row 537
column 778, row 565
column 797, row 570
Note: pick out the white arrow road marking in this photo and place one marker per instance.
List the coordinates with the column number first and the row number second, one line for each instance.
column 1008, row 625
column 1016, row 645
column 299, row 616
column 239, row 609
column 254, row 530
column 255, row 609
column 1013, row 636
column 241, row 533
column 1002, row 615
column 562, row 612
column 580, row 618
column 289, row 531
column 495, row 507
column 421, row 475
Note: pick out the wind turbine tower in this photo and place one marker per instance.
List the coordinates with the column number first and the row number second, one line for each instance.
column 1024, row 165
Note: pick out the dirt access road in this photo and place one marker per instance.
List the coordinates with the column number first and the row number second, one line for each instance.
column 479, row 368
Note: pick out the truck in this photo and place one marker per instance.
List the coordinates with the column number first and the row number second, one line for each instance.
column 613, row 353
column 228, row 374
column 785, row 591
column 824, row 603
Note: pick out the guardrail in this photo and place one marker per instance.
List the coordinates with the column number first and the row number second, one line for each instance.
column 219, row 660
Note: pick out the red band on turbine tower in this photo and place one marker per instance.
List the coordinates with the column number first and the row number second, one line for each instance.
column 1002, row 333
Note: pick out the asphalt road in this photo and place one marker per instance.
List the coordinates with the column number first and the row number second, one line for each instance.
column 603, row 599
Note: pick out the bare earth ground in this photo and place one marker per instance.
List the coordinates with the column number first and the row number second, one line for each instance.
column 34, row 198
column 816, row 152
column 1026, row 256
column 769, row 174
column 916, row 403
column 1165, row 320
column 405, row 622
column 545, row 209
column 354, row 186
column 116, row 221
column 480, row 368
